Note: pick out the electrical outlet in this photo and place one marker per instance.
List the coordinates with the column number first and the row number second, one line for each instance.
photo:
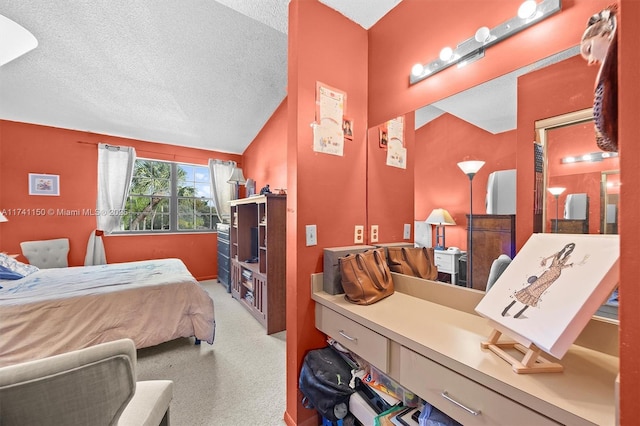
column 312, row 235
column 358, row 236
column 374, row 233
column 407, row 231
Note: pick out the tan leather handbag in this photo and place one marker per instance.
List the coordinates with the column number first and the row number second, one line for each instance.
column 414, row 261
column 366, row 277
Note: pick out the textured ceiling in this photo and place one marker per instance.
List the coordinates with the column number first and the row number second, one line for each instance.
column 200, row 73
column 205, row 74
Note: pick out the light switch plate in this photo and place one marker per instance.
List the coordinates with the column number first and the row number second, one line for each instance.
column 311, row 232
column 407, row 231
column 358, row 237
column 374, row 233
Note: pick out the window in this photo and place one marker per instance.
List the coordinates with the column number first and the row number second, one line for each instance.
column 169, row 197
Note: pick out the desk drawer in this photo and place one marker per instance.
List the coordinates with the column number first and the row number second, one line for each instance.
column 357, row 338
column 430, row 380
column 445, row 262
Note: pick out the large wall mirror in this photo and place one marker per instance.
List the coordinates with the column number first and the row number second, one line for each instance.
column 484, row 123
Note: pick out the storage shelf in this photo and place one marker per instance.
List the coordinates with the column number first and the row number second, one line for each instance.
column 267, row 214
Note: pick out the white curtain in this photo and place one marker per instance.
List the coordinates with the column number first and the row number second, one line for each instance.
column 115, row 170
column 220, row 172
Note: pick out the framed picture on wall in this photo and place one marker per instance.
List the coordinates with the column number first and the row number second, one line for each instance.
column 384, row 138
column 44, row 184
column 347, row 128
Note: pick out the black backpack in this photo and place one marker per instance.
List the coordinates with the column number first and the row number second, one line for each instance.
column 324, row 382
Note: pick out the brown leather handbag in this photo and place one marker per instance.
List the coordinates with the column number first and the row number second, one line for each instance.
column 414, row 261
column 366, row 277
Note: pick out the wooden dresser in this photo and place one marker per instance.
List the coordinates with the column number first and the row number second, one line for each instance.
column 426, row 337
column 493, row 235
column 570, row 226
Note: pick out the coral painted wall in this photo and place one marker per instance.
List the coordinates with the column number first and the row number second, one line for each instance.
column 326, row 190
column 73, row 155
column 440, row 183
column 265, row 160
column 390, row 189
column 628, row 131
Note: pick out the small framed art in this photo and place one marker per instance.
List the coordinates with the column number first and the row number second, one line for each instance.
column 347, row 128
column 44, row 184
column 383, row 138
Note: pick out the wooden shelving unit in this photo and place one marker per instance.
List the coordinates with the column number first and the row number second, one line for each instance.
column 258, row 258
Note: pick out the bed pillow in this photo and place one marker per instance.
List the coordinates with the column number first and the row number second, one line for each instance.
column 16, row 266
column 8, row 274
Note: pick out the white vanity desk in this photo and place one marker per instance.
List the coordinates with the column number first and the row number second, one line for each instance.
column 433, row 349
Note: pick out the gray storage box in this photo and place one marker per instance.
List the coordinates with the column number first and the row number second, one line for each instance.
column 332, row 282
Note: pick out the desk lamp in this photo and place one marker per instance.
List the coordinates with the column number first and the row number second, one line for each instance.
column 440, row 218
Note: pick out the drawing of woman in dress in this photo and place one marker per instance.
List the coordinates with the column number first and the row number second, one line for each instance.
column 530, row 295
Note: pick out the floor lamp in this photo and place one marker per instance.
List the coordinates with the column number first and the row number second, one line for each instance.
column 470, row 168
column 556, row 191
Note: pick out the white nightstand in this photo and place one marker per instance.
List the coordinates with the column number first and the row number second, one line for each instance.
column 447, row 262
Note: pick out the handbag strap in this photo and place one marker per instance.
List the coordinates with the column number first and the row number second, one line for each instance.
column 380, row 263
column 407, row 259
column 363, row 265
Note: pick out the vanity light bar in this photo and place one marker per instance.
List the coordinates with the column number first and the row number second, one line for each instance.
column 590, row 157
column 474, row 47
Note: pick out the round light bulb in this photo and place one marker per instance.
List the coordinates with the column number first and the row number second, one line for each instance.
column 446, row 54
column 527, row 9
column 482, row 35
column 417, row 70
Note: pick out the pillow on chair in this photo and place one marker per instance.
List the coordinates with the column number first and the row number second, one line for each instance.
column 47, row 253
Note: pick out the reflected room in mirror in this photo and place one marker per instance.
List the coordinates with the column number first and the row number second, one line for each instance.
column 488, row 122
column 485, row 122
column 589, row 203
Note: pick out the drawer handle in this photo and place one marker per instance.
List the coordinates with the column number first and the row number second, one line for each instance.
column 446, row 396
column 346, row 336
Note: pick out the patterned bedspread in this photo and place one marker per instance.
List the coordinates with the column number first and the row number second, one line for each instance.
column 57, row 310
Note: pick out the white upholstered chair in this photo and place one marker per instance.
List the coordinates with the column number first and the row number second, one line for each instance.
column 92, row 386
column 47, row 253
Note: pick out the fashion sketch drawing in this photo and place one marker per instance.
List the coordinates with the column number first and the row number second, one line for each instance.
column 537, row 285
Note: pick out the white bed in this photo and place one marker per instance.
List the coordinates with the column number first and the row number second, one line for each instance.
column 51, row 311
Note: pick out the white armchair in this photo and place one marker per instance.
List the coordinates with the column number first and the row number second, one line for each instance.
column 497, row 268
column 92, row 386
column 47, row 253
